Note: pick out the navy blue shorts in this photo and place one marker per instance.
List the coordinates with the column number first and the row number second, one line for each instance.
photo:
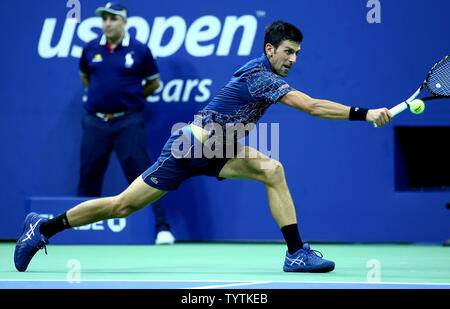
column 174, row 167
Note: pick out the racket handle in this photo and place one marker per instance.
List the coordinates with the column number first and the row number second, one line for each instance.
column 397, row 109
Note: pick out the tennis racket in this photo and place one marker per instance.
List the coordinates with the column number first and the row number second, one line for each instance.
column 437, row 83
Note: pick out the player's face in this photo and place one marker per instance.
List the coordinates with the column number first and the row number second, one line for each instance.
column 113, row 26
column 282, row 58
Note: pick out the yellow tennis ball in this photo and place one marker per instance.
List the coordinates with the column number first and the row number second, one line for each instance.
column 417, row 106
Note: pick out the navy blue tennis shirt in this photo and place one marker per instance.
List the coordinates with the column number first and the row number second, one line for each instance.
column 252, row 89
column 115, row 76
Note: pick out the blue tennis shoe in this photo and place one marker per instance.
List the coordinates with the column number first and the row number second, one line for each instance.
column 307, row 260
column 30, row 242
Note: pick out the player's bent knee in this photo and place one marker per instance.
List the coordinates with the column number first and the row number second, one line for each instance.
column 123, row 208
column 123, row 212
column 273, row 171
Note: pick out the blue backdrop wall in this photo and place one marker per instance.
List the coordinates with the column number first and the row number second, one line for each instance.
column 342, row 175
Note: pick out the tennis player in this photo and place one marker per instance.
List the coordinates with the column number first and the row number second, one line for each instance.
column 251, row 90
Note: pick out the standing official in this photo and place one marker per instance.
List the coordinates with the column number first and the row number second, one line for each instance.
column 119, row 72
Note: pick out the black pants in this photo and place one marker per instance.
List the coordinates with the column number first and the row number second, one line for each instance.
column 127, row 136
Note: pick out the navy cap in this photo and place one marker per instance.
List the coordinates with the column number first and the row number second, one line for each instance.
column 113, row 8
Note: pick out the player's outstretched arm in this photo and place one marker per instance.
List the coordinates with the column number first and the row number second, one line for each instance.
column 330, row 110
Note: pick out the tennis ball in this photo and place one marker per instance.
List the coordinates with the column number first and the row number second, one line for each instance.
column 417, row 106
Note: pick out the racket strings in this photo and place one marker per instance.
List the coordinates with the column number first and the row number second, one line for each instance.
column 438, row 82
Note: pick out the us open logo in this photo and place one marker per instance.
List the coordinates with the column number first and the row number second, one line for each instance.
column 205, row 36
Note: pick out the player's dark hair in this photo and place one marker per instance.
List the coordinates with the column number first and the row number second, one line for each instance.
column 279, row 31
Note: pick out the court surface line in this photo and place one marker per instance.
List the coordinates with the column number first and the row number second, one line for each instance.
column 233, row 282
column 228, row 285
column 124, row 280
